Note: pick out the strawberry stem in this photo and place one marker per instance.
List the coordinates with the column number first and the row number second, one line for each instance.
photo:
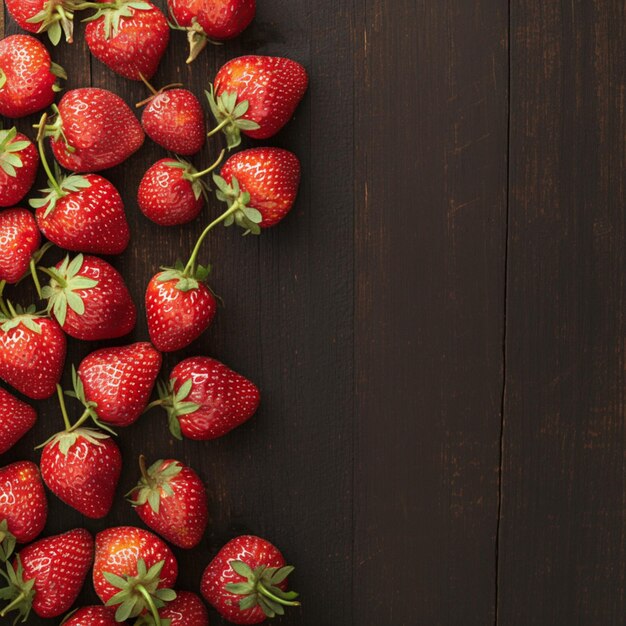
column 53, row 274
column 44, row 160
column 13, row 605
column 33, row 273
column 220, row 158
column 152, row 405
column 219, row 127
column 191, row 264
column 268, row 594
column 148, row 598
column 144, row 472
column 66, row 418
column 2, row 286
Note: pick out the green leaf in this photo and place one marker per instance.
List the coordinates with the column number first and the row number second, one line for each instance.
column 167, row 595
column 239, row 588
column 174, row 426
column 281, row 574
column 154, row 500
column 8, row 168
column 115, row 580
column 254, row 215
column 60, row 309
column 246, row 124
column 74, row 266
column 248, row 602
column 75, row 302
column 55, row 32
column 241, row 568
column 184, row 390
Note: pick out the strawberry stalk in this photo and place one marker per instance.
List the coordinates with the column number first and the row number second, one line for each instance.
column 54, row 130
column 153, row 91
column 66, row 420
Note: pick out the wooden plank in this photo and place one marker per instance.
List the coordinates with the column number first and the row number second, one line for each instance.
column 431, row 169
column 564, row 517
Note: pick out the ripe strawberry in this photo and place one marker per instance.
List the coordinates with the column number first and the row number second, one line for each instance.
column 32, row 352
column 19, row 242
column 18, row 166
column 246, row 581
column 131, row 564
column 171, row 499
column 129, row 36
column 186, row 610
column 48, row 575
column 23, row 506
column 118, row 382
column 205, row 399
column 256, row 95
column 174, row 119
column 91, row 616
column 28, row 77
column 179, row 307
column 16, row 419
column 259, row 186
column 172, row 192
column 37, row 16
column 81, row 466
column 94, row 130
column 89, row 299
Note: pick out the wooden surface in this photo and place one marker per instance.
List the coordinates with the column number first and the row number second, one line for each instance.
column 437, row 329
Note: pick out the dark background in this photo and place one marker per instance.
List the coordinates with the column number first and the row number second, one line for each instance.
column 437, row 328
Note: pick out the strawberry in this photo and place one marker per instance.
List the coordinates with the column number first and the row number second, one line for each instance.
column 129, row 36
column 172, row 192
column 210, row 20
column 205, row 399
column 133, row 571
column 32, row 352
column 52, row 16
column 259, row 186
column 23, row 506
column 118, row 382
column 171, row 499
column 19, row 245
column 89, row 299
column 48, row 575
column 91, row 616
column 256, row 95
column 28, row 77
column 16, row 419
column 186, row 610
column 246, row 581
column 179, row 307
column 81, row 466
column 94, row 130
column 174, row 119
column 18, row 166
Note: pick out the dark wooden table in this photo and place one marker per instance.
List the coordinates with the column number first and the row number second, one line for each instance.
column 437, row 329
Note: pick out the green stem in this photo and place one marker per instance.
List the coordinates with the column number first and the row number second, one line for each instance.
column 12, row 311
column 55, row 275
column 268, row 594
column 33, row 271
column 3, row 284
column 194, row 255
column 66, row 419
column 3, row 308
column 81, row 420
column 13, row 605
column 148, row 598
column 153, row 404
column 44, row 160
column 219, row 127
column 144, row 472
column 220, row 158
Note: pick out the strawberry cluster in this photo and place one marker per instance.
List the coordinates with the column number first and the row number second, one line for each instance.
column 88, row 130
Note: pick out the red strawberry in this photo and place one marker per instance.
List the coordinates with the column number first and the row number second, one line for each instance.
column 172, row 192
column 16, row 419
column 118, row 382
column 19, row 242
column 186, row 610
column 82, row 466
column 131, row 564
column 89, row 299
column 91, row 616
column 130, row 37
column 260, row 186
column 18, row 166
column 205, row 399
column 48, row 575
column 174, row 119
column 28, row 77
column 171, row 499
column 23, row 506
column 38, row 16
column 179, row 307
column 94, row 130
column 32, row 352
column 256, row 95
column 246, row 581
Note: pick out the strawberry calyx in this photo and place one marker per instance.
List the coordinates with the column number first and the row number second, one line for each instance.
column 7, row 541
column 229, row 115
column 191, row 174
column 53, row 130
column 139, row 593
column 154, row 481
column 56, row 18
column 174, row 403
column 153, row 91
column 186, row 279
column 10, row 160
column 238, row 201
column 65, row 281
column 19, row 592
column 260, row 588
column 11, row 317
column 113, row 12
